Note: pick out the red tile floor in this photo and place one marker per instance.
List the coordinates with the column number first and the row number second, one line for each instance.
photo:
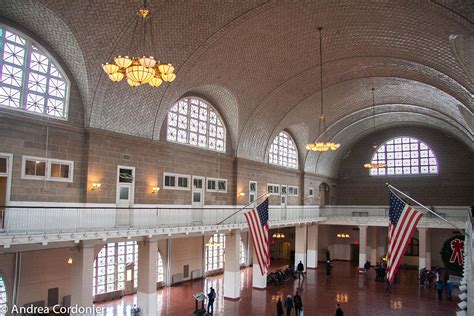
column 357, row 294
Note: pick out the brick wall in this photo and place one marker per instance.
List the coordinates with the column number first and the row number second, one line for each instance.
column 454, row 185
column 28, row 137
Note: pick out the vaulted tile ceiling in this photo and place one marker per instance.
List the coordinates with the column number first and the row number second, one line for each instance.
column 257, row 62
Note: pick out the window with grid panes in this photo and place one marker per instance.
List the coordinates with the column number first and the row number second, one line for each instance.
column 194, row 122
column 29, row 79
column 3, row 296
column 215, row 252
column 283, row 151
column 159, row 272
column 404, row 156
column 109, row 266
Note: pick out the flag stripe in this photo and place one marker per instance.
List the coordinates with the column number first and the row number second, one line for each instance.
column 398, row 260
column 407, row 229
column 401, row 230
column 403, row 220
column 256, row 245
column 257, row 220
column 260, row 236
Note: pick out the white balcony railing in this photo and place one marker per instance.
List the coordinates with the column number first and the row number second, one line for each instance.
column 19, row 220
column 47, row 220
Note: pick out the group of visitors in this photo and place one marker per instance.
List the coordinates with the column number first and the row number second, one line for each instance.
column 290, row 303
column 380, row 270
column 297, row 303
column 440, row 278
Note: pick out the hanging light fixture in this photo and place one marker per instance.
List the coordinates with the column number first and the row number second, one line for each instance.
column 278, row 235
column 139, row 69
column 322, row 145
column 374, row 165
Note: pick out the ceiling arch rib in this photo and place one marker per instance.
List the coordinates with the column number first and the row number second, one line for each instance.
column 341, row 99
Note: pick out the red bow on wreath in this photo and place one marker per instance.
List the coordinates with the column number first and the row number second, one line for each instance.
column 457, row 246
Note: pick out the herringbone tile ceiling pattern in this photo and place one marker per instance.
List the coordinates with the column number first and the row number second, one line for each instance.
column 257, row 62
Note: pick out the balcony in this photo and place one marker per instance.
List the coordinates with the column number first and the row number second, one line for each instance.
column 28, row 225
column 55, row 224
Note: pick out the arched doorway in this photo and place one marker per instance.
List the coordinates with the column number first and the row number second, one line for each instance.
column 324, row 196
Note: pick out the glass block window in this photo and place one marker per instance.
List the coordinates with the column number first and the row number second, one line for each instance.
column 193, row 122
column 242, row 253
column 29, row 79
column 160, row 275
column 283, row 151
column 403, row 156
column 109, row 273
column 3, row 296
column 214, row 253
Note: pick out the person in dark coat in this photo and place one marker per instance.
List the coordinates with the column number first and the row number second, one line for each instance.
column 288, row 305
column 328, row 268
column 300, row 269
column 279, row 307
column 211, row 296
column 298, row 302
column 339, row 311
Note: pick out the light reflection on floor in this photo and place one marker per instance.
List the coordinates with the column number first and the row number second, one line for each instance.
column 358, row 295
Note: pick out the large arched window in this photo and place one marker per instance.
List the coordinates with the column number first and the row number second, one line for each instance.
column 193, row 122
column 110, row 267
column 3, row 296
column 403, row 156
column 29, row 79
column 283, row 151
column 160, row 275
column 214, row 252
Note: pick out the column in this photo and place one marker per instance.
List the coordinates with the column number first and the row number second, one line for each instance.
column 422, row 248
column 259, row 281
column 300, row 245
column 428, row 249
column 81, row 285
column 147, row 274
column 373, row 245
column 312, row 253
column 362, row 245
column 232, row 266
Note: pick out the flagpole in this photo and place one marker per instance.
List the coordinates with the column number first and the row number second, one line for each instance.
column 427, row 209
column 239, row 210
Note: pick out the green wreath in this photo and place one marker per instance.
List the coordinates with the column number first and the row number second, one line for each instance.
column 446, row 254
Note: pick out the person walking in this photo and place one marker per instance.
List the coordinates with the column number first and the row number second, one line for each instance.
column 439, row 288
column 279, row 307
column 211, row 296
column 300, row 269
column 288, row 305
column 328, row 268
column 366, row 267
column 449, row 289
column 339, row 311
column 298, row 302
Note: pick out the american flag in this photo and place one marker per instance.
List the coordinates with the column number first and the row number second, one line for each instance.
column 257, row 219
column 401, row 226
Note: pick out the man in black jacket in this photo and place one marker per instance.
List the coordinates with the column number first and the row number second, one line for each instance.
column 298, row 303
column 300, row 269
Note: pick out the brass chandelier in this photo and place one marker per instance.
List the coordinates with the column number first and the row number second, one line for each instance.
column 139, row 69
column 374, row 165
column 322, row 146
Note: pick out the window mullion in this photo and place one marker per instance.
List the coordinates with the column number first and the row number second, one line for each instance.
column 26, row 74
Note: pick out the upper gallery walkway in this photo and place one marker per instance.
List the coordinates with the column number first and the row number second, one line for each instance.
column 40, row 224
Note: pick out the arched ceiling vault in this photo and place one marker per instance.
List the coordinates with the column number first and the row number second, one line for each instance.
column 258, row 61
column 357, row 125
